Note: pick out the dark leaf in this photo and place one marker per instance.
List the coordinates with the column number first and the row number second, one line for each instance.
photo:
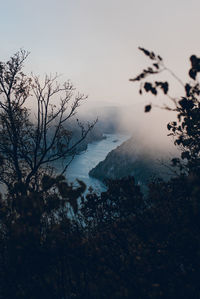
column 193, row 73
column 152, row 55
column 175, row 161
column 156, row 65
column 147, row 108
column 185, row 155
column 146, row 52
column 194, row 61
column 47, row 182
column 169, row 126
column 147, row 86
column 187, row 89
column 165, row 87
column 186, row 104
column 154, row 91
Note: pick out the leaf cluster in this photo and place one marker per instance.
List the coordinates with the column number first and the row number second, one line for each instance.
column 186, row 129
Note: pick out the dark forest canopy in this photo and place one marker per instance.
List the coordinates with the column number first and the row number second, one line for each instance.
column 57, row 242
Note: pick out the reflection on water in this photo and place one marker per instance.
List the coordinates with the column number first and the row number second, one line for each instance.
column 96, row 152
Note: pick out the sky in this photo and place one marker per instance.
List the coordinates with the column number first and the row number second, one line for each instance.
column 94, row 43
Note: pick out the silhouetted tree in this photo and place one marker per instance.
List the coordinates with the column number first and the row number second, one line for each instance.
column 29, row 145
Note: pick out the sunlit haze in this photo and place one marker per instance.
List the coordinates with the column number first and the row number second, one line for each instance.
column 95, row 43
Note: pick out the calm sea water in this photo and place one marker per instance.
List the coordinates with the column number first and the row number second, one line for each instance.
column 96, row 152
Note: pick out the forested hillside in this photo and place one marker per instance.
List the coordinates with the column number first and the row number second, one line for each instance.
column 131, row 159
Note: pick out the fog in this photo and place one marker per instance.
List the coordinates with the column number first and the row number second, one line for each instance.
column 95, row 44
column 148, row 129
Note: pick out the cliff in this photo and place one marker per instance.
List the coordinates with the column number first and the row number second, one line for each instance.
column 129, row 159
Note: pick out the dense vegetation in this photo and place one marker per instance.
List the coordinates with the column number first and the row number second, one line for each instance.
column 57, row 242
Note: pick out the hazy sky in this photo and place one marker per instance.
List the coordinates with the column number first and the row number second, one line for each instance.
column 94, row 42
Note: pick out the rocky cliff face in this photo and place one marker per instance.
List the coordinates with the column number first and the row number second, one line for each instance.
column 129, row 159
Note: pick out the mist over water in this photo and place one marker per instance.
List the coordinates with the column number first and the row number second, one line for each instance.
column 148, row 129
column 86, row 160
column 118, row 124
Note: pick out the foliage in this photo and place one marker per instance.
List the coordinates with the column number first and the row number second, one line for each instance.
column 122, row 199
column 56, row 242
column 29, row 147
column 34, row 228
column 127, row 247
column 186, row 129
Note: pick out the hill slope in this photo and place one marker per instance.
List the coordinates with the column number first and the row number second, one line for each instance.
column 130, row 159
